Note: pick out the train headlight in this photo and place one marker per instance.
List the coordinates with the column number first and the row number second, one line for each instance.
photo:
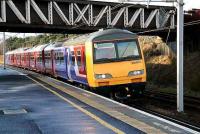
column 136, row 72
column 103, row 76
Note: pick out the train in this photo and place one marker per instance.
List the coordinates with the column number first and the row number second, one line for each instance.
column 108, row 60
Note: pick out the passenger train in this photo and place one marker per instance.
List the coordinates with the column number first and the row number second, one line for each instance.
column 108, row 60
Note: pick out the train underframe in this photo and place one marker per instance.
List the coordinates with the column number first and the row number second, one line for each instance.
column 122, row 92
column 115, row 92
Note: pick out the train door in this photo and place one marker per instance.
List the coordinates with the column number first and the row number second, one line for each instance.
column 80, row 61
column 34, row 60
column 77, row 65
column 52, row 62
column 63, row 68
column 69, row 63
column 60, row 65
column 66, row 62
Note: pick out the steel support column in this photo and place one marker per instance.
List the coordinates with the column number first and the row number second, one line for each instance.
column 180, row 56
column 4, row 50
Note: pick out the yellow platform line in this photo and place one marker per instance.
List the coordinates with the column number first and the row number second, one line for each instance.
column 104, row 123
column 126, row 119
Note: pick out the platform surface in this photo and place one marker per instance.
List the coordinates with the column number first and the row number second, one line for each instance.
column 26, row 107
column 31, row 106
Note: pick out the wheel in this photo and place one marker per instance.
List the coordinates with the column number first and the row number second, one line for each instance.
column 120, row 94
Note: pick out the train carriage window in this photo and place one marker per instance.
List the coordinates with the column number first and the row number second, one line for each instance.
column 27, row 57
column 32, row 57
column 22, row 58
column 36, row 57
column 56, row 57
column 47, row 57
column 78, row 52
column 18, row 57
column 40, row 57
column 61, row 58
column 73, row 58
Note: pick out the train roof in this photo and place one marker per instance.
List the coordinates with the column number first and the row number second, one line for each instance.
column 40, row 47
column 9, row 52
column 30, row 49
column 59, row 48
column 98, row 36
column 18, row 50
column 54, row 45
column 27, row 50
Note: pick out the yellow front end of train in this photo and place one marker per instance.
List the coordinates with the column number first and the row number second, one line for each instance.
column 116, row 60
column 127, row 72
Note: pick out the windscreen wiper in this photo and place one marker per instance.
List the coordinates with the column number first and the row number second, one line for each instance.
column 131, row 56
column 125, row 50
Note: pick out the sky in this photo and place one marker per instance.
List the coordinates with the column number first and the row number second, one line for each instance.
column 189, row 4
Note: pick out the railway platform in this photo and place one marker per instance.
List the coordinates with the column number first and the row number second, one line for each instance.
column 34, row 103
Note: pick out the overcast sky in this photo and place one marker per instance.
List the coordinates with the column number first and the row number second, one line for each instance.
column 189, row 4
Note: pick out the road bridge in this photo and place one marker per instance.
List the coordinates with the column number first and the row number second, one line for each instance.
column 86, row 16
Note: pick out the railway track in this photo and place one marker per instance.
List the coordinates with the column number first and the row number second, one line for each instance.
column 164, row 105
column 175, row 120
column 190, row 102
column 159, row 104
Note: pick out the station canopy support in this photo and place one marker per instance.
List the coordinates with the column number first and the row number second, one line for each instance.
column 4, row 50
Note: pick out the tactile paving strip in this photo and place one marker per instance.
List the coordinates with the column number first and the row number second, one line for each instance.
column 14, row 111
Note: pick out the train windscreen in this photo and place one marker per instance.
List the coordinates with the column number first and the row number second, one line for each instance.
column 116, row 51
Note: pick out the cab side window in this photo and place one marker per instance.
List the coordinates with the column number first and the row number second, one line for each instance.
column 40, row 57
